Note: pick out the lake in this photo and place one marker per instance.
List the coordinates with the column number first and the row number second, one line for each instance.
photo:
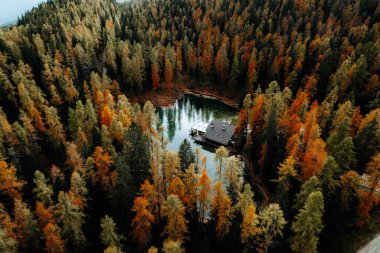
column 188, row 110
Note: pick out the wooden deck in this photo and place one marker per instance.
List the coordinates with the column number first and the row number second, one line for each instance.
column 198, row 138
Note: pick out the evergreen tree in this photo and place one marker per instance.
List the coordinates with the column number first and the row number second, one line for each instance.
column 109, row 235
column 308, row 187
column 271, row 225
column 308, row 224
column 186, row 154
column 43, row 191
column 340, row 145
column 71, row 219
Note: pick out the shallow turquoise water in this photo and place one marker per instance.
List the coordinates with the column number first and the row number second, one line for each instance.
column 179, row 118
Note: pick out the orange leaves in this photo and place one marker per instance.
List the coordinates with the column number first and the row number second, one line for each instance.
column 355, row 121
column 293, row 145
column 53, row 240
column 9, row 183
column 291, row 120
column 314, row 159
column 301, row 99
column 106, row 116
column 249, row 227
column 257, row 120
column 103, row 174
column 371, row 116
column 348, row 182
column 176, row 223
column 221, row 206
column 298, row 66
column 44, row 215
column 367, row 200
column 311, row 123
column 204, row 186
column 242, row 121
column 178, row 188
column 148, row 191
column 287, row 169
column 142, row 223
column 7, row 223
column 155, row 76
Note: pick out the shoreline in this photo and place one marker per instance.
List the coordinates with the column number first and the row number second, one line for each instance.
column 210, row 95
column 161, row 99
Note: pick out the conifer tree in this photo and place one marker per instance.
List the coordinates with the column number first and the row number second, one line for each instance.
column 109, row 235
column 176, row 223
column 308, row 224
column 186, row 154
column 43, row 191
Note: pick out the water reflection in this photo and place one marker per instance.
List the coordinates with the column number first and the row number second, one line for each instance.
column 179, row 118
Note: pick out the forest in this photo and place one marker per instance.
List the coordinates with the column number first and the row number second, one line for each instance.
column 83, row 168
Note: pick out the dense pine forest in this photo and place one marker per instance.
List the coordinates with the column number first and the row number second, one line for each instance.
column 84, row 169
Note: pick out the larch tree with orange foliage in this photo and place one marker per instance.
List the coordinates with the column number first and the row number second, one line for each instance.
column 106, row 116
column 9, row 184
column 44, row 214
column 155, row 76
column 250, row 225
column 286, row 170
column 143, row 220
column 190, row 183
column 314, row 159
column 53, row 240
column 177, row 187
column 51, row 231
column 315, row 156
column 257, row 113
column 103, row 174
column 176, row 224
column 221, row 208
column 203, row 194
column 148, row 191
column 7, row 223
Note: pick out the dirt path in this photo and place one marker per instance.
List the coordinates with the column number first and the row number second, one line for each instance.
column 256, row 181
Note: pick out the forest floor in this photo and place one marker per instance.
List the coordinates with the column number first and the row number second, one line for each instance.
column 257, row 182
column 366, row 239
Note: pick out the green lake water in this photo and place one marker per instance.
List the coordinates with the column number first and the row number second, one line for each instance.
column 190, row 109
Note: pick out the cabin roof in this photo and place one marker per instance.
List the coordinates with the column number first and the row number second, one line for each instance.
column 200, row 127
column 220, row 132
